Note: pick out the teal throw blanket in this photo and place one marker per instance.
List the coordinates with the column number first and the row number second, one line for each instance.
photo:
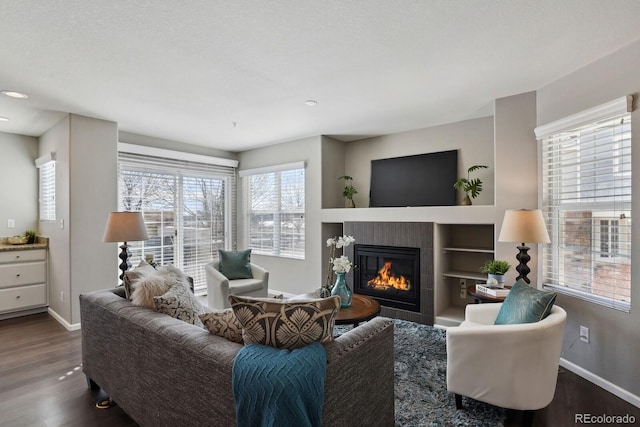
column 277, row 387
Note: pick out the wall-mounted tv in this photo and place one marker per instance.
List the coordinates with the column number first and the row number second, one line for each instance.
column 419, row 180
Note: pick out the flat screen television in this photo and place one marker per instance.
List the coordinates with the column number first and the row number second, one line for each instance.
column 419, row 180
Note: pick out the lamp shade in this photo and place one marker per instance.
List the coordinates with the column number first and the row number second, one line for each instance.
column 125, row 227
column 524, row 226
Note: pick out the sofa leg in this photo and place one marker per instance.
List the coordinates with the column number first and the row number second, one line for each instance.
column 92, row 385
column 458, row 401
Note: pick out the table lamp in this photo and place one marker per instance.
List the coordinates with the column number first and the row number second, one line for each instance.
column 125, row 227
column 523, row 226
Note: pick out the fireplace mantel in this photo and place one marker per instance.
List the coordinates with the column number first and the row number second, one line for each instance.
column 484, row 214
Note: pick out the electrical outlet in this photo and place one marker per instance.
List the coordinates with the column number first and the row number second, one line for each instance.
column 11, row 223
column 463, row 288
column 584, row 334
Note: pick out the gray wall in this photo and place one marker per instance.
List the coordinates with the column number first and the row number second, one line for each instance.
column 613, row 351
column 472, row 138
column 85, row 194
column 19, row 178
column 286, row 274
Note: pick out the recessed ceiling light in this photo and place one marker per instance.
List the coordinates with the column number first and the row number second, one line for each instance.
column 14, row 94
column 310, row 103
column 3, row 119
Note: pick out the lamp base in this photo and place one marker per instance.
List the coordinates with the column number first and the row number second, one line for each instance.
column 125, row 254
column 523, row 258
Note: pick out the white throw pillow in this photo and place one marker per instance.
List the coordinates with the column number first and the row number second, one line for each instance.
column 156, row 284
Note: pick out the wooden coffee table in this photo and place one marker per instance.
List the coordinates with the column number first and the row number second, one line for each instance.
column 362, row 308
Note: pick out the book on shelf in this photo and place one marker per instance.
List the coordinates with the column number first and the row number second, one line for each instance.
column 493, row 291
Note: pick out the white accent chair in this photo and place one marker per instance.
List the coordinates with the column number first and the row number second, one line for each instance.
column 510, row 366
column 219, row 287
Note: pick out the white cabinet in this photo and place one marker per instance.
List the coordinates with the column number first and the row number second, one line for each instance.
column 23, row 281
column 460, row 250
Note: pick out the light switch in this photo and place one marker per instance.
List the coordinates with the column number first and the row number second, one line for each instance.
column 11, row 223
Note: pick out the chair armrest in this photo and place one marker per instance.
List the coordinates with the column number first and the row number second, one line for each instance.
column 485, row 314
column 217, row 288
column 258, row 272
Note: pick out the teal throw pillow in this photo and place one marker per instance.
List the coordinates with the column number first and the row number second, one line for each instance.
column 525, row 304
column 235, row 264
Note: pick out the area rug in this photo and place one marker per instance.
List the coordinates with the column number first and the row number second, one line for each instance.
column 421, row 397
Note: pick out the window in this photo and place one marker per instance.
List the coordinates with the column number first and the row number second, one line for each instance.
column 276, row 210
column 188, row 208
column 586, row 198
column 47, row 186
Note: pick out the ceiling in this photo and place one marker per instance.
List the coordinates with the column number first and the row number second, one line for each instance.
column 235, row 74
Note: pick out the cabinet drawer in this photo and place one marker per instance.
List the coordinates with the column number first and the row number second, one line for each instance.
column 23, row 297
column 23, row 256
column 26, row 273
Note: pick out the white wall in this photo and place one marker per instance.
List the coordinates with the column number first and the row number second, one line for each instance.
column 613, row 351
column 285, row 274
column 472, row 138
column 19, row 178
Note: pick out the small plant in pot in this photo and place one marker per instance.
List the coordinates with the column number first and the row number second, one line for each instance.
column 349, row 190
column 31, row 236
column 471, row 187
column 496, row 269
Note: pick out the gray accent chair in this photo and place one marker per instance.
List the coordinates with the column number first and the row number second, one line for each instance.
column 219, row 287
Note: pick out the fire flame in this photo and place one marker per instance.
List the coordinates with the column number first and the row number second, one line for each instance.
column 386, row 279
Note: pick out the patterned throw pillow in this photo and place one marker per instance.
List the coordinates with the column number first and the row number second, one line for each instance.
column 235, row 264
column 525, row 304
column 180, row 303
column 223, row 324
column 132, row 276
column 283, row 324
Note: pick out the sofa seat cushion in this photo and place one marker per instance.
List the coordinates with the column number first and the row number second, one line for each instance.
column 242, row 286
column 283, row 324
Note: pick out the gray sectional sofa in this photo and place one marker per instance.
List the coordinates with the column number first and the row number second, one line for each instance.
column 165, row 372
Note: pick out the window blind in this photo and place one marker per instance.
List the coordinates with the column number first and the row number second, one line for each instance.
column 47, row 190
column 586, row 198
column 277, row 213
column 189, row 210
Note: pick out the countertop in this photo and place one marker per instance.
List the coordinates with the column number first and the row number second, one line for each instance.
column 41, row 243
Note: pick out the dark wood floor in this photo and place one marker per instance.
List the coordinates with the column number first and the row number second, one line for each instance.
column 42, row 384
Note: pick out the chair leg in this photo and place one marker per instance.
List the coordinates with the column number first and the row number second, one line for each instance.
column 527, row 418
column 458, row 401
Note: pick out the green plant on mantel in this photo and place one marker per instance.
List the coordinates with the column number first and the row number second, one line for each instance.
column 471, row 187
column 349, row 190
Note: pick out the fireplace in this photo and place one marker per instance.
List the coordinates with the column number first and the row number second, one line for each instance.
column 390, row 274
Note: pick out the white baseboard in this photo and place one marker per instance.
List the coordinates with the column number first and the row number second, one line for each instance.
column 60, row 319
column 601, row 382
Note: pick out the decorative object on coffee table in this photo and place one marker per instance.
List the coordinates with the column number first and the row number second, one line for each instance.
column 520, row 226
column 125, row 227
column 342, row 266
column 341, row 289
column 333, row 243
column 471, row 187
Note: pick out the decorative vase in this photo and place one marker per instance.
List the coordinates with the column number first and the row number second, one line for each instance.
column 341, row 288
column 499, row 278
column 352, row 204
column 466, row 201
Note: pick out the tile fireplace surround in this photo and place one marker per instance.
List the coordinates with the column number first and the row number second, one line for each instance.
column 402, row 234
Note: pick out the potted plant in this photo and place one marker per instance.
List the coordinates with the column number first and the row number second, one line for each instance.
column 496, row 269
column 31, row 235
column 349, row 190
column 471, row 187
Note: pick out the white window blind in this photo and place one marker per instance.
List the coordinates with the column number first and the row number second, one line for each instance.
column 188, row 209
column 586, row 198
column 277, row 211
column 47, row 187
